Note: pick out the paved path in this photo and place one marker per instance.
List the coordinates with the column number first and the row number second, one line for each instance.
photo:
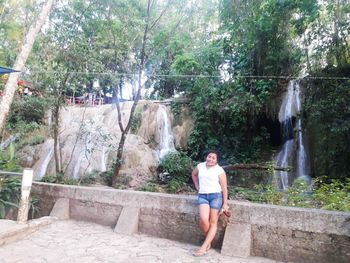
column 74, row 241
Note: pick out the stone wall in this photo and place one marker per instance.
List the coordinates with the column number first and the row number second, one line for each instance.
column 276, row 232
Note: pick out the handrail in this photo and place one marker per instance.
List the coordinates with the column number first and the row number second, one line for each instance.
column 27, row 179
column 10, row 173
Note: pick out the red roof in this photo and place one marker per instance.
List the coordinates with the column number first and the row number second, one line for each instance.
column 23, row 83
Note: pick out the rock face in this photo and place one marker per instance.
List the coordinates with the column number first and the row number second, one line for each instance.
column 89, row 138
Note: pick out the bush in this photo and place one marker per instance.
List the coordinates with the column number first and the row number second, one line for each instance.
column 87, row 179
column 29, row 109
column 107, row 177
column 10, row 194
column 8, row 162
column 136, row 121
column 59, row 179
column 333, row 196
column 34, row 137
column 179, row 167
column 149, row 187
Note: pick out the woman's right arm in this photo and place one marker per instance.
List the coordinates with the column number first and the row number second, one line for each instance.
column 195, row 178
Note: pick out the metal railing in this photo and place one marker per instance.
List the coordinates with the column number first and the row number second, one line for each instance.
column 27, row 180
column 5, row 173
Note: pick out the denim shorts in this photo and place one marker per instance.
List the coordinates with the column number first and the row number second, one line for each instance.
column 214, row 200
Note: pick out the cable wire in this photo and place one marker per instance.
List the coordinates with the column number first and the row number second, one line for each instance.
column 196, row 76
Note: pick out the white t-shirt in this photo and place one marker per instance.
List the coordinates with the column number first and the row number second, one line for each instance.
column 209, row 178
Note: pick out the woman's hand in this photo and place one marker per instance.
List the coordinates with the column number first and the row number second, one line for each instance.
column 225, row 210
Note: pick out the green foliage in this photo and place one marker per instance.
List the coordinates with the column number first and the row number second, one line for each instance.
column 299, row 194
column 10, row 186
column 59, row 179
column 176, row 109
column 107, row 177
column 33, row 137
column 28, row 110
column 149, row 187
column 179, row 167
column 26, row 116
column 229, row 121
column 8, row 162
column 136, row 121
column 37, row 139
column 87, row 179
column 22, row 127
column 327, row 114
column 34, row 207
column 122, row 181
column 269, row 194
column 334, row 195
column 10, row 193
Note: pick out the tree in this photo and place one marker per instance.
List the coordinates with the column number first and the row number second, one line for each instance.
column 142, row 58
column 21, row 60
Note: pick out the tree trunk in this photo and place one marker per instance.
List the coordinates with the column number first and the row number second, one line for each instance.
column 252, row 166
column 56, row 117
column 125, row 131
column 21, row 59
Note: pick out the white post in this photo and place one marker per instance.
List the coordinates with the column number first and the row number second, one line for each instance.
column 23, row 210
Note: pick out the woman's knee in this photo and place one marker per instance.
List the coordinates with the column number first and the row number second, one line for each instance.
column 213, row 222
column 204, row 221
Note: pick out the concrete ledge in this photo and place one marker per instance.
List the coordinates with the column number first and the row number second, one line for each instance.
column 280, row 233
column 128, row 221
column 61, row 209
column 312, row 220
column 176, row 203
column 237, row 240
column 11, row 231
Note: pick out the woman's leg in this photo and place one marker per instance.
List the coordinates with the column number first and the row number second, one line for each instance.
column 213, row 227
column 204, row 213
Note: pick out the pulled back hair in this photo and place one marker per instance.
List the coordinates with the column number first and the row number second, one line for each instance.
column 216, row 153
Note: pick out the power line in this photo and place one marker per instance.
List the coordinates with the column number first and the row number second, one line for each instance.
column 196, row 76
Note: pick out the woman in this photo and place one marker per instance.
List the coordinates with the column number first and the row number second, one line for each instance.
column 210, row 181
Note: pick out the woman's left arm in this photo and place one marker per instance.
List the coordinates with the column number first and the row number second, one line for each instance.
column 223, row 183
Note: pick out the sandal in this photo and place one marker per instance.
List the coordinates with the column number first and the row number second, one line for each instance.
column 199, row 253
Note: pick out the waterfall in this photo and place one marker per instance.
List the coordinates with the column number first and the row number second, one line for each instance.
column 103, row 159
column 282, row 161
column 41, row 169
column 291, row 107
column 303, row 162
column 76, row 169
column 166, row 139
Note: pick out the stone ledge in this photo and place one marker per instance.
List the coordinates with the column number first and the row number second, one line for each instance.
column 311, row 235
column 11, row 231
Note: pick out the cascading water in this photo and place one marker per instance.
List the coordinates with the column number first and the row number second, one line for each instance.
column 282, row 161
column 76, row 169
column 41, row 165
column 291, row 107
column 103, row 159
column 166, row 139
column 303, row 168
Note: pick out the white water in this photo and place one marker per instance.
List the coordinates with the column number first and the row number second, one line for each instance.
column 77, row 164
column 103, row 159
column 166, row 138
column 41, row 168
column 282, row 160
column 291, row 107
column 303, row 166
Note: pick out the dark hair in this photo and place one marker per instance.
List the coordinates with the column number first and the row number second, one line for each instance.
column 216, row 153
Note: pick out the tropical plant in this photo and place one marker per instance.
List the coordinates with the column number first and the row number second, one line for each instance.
column 178, row 166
